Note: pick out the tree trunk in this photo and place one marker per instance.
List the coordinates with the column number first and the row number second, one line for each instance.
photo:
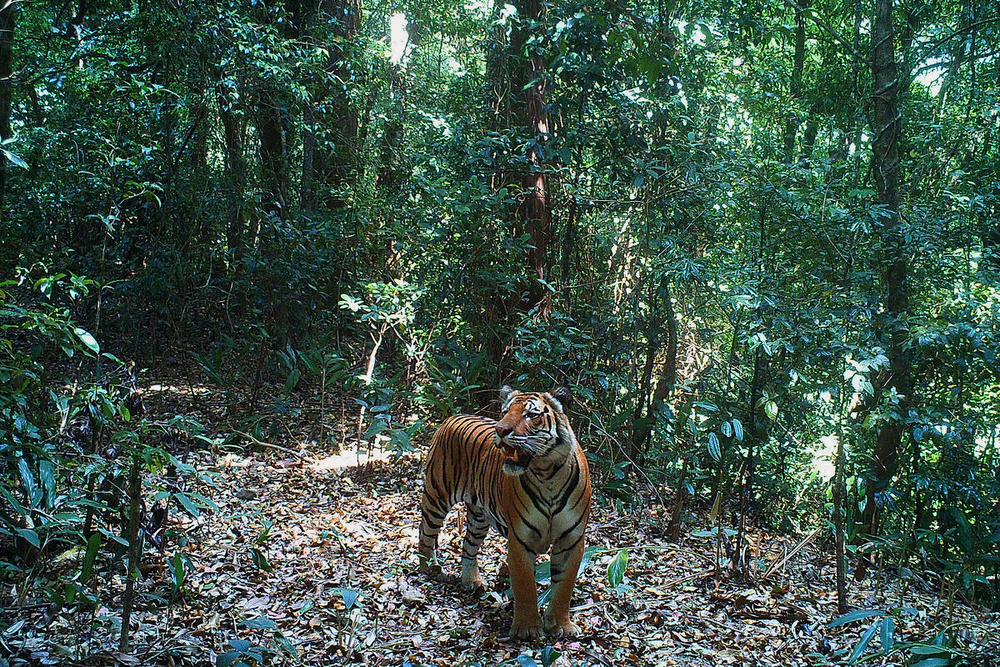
column 333, row 133
column 307, row 200
column 273, row 151
column 389, row 164
column 6, row 88
column 498, row 80
column 838, row 517
column 534, row 209
column 566, row 270
column 132, row 535
column 645, row 414
column 795, row 85
column 674, row 527
column 236, row 170
column 756, row 435
column 886, row 171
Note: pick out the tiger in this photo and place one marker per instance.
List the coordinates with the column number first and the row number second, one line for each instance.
column 526, row 475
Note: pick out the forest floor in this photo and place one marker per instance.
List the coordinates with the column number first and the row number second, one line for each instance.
column 335, row 582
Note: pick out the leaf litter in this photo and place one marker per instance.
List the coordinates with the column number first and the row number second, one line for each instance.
column 311, row 560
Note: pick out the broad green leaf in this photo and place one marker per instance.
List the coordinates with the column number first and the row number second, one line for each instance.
column 287, row 646
column 856, row 615
column 713, row 446
column 87, row 339
column 863, row 643
column 93, row 545
column 616, row 568
column 260, row 560
column 187, row 504
column 177, row 570
column 27, row 480
column 47, row 477
column 292, row 380
column 14, row 503
column 543, row 572
column 11, row 156
column 347, row 595
column 888, row 631
column 30, row 536
column 738, row 429
column 227, row 659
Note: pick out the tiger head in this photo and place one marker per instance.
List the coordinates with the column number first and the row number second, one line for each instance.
column 534, row 426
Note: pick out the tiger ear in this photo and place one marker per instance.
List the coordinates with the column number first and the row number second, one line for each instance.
column 563, row 395
column 506, row 393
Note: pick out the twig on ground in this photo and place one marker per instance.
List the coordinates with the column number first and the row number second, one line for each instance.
column 774, row 566
column 270, row 445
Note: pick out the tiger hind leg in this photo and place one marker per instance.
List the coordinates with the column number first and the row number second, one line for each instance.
column 431, row 519
column 476, row 526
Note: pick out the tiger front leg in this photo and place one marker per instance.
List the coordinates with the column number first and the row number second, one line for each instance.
column 564, row 567
column 527, row 623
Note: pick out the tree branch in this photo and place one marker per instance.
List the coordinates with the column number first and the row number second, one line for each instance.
column 826, row 26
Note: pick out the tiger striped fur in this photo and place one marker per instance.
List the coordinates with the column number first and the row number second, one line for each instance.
column 526, row 476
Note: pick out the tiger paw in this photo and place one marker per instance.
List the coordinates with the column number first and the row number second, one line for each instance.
column 561, row 628
column 475, row 586
column 526, row 631
column 430, row 569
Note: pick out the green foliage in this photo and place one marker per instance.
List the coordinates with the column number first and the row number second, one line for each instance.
column 270, row 645
column 67, row 448
column 256, row 553
column 942, row 650
column 616, row 568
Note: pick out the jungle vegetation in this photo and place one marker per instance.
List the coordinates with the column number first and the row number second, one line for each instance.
column 759, row 240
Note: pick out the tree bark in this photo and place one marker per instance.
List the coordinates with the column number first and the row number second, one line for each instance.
column 273, row 151
column 645, row 413
column 886, row 170
column 674, row 527
column 132, row 536
column 838, row 516
column 236, row 170
column 389, row 164
column 6, row 89
column 795, row 85
column 566, row 270
column 756, row 436
column 534, row 209
column 332, row 134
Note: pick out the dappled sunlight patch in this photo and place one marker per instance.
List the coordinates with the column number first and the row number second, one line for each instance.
column 187, row 389
column 348, row 459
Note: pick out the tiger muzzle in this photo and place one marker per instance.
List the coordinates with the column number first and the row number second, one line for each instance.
column 514, row 455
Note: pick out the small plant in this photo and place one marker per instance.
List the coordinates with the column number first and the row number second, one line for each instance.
column 256, row 554
column 939, row 651
column 246, row 653
column 547, row 657
column 384, row 429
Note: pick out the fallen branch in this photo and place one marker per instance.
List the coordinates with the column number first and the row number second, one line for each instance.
column 774, row 566
column 269, row 445
column 697, row 575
